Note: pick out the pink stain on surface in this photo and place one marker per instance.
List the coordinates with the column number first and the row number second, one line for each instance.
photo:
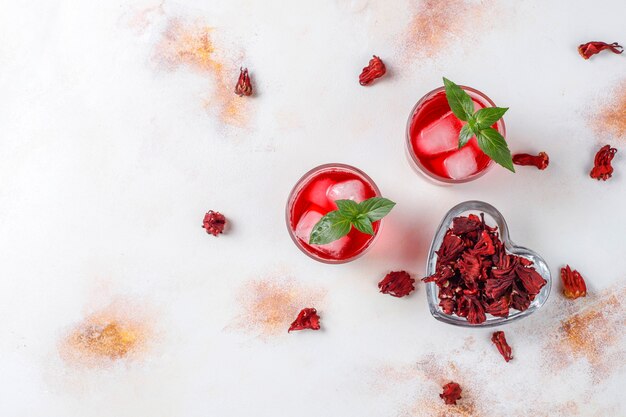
column 610, row 120
column 590, row 330
column 119, row 331
column 268, row 306
column 436, row 28
column 192, row 46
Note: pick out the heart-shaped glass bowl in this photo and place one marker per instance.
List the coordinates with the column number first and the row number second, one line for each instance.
column 493, row 218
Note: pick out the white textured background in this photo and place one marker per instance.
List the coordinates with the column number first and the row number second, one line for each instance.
column 109, row 159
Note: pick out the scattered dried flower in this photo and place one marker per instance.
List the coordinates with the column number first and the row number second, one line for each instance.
column 540, row 161
column 397, row 284
column 602, row 169
column 573, row 283
column 499, row 340
column 214, row 222
column 244, row 86
column 451, row 393
column 375, row 69
column 586, row 50
column 476, row 276
column 307, row 319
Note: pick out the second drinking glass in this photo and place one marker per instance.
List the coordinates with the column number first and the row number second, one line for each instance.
column 432, row 138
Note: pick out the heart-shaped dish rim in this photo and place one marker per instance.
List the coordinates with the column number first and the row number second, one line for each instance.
column 540, row 265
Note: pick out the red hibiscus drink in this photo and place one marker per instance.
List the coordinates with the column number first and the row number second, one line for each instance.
column 314, row 196
column 433, row 139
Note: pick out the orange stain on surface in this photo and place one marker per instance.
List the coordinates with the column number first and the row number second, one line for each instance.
column 427, row 377
column 432, row 407
column 113, row 333
column 269, row 306
column 593, row 334
column 611, row 120
column 193, row 46
column 436, row 26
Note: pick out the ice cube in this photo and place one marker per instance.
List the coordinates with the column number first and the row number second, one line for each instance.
column 347, row 190
column 440, row 136
column 317, row 193
column 303, row 232
column 461, row 164
column 306, row 223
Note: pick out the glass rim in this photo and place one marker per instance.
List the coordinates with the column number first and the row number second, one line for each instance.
column 297, row 188
column 416, row 163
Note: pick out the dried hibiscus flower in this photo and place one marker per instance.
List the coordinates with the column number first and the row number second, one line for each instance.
column 499, row 340
column 476, row 276
column 602, row 169
column 214, row 222
column 397, row 283
column 573, row 283
column 244, row 86
column 375, row 69
column 475, row 311
column 451, row 393
column 586, row 50
column 540, row 161
column 307, row 319
column 499, row 308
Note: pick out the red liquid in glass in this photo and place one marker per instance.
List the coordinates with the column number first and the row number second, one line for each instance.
column 316, row 197
column 434, row 133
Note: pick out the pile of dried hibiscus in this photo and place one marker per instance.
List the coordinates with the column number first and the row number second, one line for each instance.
column 476, row 275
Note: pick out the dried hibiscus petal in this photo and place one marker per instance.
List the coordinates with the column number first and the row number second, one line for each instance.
column 602, row 169
column 450, row 248
column 448, row 305
column 586, row 50
column 499, row 308
column 531, row 280
column 476, row 311
column 397, row 284
column 484, row 246
column 441, row 276
column 573, row 283
column 244, row 86
column 469, row 266
column 496, row 288
column 461, row 225
column 307, row 319
column 499, row 340
column 214, row 222
column 451, row 393
column 539, row 161
column 520, row 299
column 375, row 69
column 462, row 307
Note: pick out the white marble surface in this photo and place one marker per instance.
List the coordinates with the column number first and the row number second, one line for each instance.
column 112, row 148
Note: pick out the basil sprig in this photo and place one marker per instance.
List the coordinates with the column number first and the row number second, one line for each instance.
column 479, row 123
column 338, row 223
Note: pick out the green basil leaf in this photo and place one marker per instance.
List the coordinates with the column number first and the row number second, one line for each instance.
column 460, row 102
column 488, row 116
column 329, row 228
column 465, row 135
column 363, row 224
column 376, row 208
column 493, row 144
column 349, row 209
